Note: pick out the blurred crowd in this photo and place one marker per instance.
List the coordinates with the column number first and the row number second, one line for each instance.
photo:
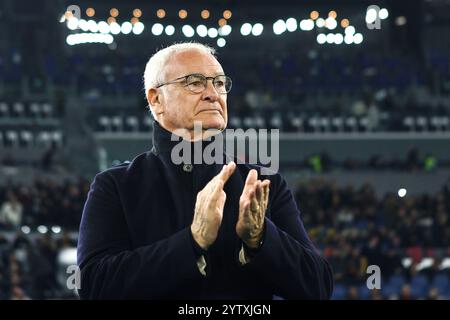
column 355, row 229
column 352, row 227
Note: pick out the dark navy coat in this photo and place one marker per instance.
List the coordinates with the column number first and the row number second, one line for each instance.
column 135, row 240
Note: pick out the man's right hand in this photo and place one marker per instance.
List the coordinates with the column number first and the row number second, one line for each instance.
column 209, row 208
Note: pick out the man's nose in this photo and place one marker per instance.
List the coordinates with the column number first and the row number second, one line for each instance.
column 210, row 92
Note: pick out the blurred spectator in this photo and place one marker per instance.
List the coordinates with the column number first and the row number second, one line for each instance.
column 11, row 211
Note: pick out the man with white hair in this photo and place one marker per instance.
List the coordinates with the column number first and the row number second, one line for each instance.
column 153, row 229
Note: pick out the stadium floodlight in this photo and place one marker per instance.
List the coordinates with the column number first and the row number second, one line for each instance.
column 103, row 27
column 321, row 38
column 157, row 29
column 306, row 24
column 402, row 192
column 221, row 42
column 115, row 28
column 371, row 15
column 331, row 23
column 358, row 38
column 279, row 27
column 70, row 40
column 92, row 26
column 348, row 39
column 246, row 29
column 202, row 30
column 383, row 14
column 25, row 229
column 330, row 38
column 83, row 25
column 170, row 30
column 350, row 30
column 212, row 32
column 188, row 31
column 138, row 28
column 126, row 27
column 291, row 24
column 257, row 29
column 72, row 23
column 225, row 30
column 42, row 229
column 338, row 38
column 320, row 23
column 56, row 229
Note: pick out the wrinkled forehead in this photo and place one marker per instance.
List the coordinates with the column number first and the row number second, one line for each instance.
column 192, row 61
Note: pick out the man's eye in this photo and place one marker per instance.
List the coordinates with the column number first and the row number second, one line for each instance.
column 219, row 83
column 196, row 83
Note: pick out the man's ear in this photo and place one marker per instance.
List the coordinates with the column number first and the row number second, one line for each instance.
column 153, row 98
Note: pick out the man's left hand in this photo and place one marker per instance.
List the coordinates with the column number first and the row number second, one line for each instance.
column 252, row 209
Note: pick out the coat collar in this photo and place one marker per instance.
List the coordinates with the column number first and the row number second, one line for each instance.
column 163, row 143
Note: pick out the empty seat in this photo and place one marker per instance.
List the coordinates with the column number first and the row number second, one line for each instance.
column 18, row 110
column 147, row 121
column 47, row 110
column 4, row 110
column 104, row 123
column 26, row 138
column 132, row 123
column 337, row 124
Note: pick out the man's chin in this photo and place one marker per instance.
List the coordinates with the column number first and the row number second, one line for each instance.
column 217, row 123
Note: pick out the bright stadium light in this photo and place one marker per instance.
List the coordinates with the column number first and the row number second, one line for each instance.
column 306, row 24
column 83, row 25
column 103, row 27
column 221, row 42
column 358, row 38
column 70, row 40
column 202, row 30
column 188, row 31
column 320, row 23
column 246, row 29
column 291, row 24
column 73, row 39
column 92, row 26
column 56, row 229
column 115, row 28
column 212, row 32
column 321, row 38
column 42, row 229
column 225, row 30
column 72, row 23
column 330, row 38
column 279, row 27
column 169, row 30
column 402, row 192
column 138, row 28
column 157, row 29
column 350, row 30
column 348, row 39
column 257, row 29
column 383, row 14
column 331, row 23
column 371, row 15
column 25, row 229
column 126, row 27
column 338, row 38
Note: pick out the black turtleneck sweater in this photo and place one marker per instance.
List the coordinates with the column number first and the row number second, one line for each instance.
column 135, row 240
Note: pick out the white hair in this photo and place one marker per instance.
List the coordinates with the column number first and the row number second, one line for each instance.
column 154, row 70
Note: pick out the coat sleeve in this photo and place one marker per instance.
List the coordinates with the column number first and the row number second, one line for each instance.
column 287, row 259
column 112, row 269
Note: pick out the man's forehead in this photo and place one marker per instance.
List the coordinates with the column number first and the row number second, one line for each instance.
column 194, row 62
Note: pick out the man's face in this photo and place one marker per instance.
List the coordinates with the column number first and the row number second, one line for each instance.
column 179, row 107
